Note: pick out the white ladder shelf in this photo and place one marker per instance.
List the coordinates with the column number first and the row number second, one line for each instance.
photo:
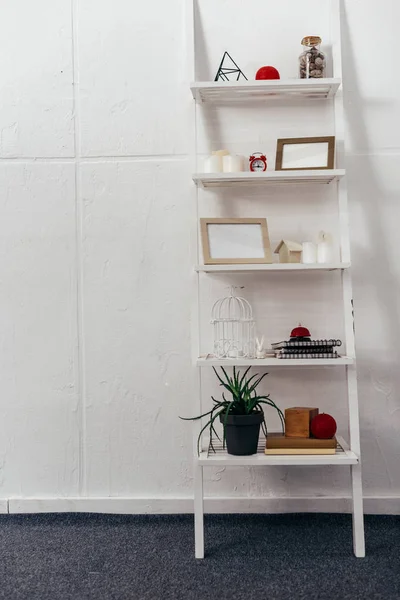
column 243, row 92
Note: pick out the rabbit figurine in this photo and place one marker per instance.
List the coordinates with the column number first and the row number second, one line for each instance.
column 260, row 352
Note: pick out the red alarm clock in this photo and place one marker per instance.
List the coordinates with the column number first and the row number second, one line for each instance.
column 258, row 162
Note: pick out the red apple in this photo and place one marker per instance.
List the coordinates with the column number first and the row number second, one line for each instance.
column 323, row 427
column 267, row 73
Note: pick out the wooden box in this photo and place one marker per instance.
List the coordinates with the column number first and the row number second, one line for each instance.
column 297, row 421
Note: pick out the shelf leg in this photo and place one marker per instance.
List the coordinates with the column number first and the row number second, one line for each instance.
column 198, row 512
column 358, row 513
column 356, row 483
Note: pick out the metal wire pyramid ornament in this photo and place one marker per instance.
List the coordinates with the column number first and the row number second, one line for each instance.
column 228, row 70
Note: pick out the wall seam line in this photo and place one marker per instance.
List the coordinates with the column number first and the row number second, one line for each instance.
column 96, row 159
column 79, row 254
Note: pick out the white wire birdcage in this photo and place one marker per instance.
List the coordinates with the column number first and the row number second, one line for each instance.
column 234, row 328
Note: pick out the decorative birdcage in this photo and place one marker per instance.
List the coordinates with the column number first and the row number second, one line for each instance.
column 234, row 328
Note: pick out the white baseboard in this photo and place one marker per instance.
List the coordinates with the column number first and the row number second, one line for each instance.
column 139, row 506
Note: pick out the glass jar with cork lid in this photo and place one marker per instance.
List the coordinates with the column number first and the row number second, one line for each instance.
column 312, row 60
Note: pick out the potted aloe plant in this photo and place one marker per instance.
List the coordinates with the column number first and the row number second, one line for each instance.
column 241, row 413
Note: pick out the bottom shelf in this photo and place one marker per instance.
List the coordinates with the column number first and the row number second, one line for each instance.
column 343, row 456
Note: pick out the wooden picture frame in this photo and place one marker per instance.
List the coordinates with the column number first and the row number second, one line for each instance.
column 235, row 241
column 297, row 159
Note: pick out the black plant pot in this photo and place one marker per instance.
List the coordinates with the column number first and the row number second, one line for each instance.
column 242, row 433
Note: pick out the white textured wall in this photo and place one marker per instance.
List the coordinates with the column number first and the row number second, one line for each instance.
column 95, row 233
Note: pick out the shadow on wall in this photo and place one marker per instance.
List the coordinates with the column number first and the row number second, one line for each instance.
column 376, row 290
column 202, row 68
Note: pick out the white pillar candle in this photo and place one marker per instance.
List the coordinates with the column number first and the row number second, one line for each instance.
column 213, row 164
column 324, row 252
column 309, row 255
column 232, row 163
column 324, row 248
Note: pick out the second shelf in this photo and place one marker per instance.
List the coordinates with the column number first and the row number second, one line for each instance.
column 246, row 178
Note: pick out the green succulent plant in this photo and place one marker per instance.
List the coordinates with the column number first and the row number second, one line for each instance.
column 245, row 401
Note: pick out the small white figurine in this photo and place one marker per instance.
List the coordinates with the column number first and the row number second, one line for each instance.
column 260, row 352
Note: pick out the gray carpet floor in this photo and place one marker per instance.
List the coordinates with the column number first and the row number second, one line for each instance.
column 271, row 557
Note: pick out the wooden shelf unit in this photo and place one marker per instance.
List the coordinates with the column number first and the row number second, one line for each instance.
column 266, row 92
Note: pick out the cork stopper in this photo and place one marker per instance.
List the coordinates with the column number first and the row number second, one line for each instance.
column 311, row 40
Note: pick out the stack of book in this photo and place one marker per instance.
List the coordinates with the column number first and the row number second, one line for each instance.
column 295, row 349
column 279, row 444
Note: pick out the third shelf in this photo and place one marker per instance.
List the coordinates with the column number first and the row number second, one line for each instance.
column 274, row 267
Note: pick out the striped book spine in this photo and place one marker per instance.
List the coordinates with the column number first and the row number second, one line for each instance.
column 306, row 344
column 316, row 350
column 285, row 355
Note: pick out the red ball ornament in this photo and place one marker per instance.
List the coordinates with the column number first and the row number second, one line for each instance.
column 323, row 427
column 267, row 73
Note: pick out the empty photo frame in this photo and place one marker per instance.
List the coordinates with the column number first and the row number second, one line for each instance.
column 235, row 241
column 297, row 154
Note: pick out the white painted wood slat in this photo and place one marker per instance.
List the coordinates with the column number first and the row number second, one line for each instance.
column 239, row 91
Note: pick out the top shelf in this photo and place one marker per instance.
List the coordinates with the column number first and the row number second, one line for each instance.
column 217, row 92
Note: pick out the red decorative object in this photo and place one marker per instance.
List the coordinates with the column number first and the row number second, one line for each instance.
column 323, row 427
column 258, row 162
column 267, row 73
column 300, row 332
